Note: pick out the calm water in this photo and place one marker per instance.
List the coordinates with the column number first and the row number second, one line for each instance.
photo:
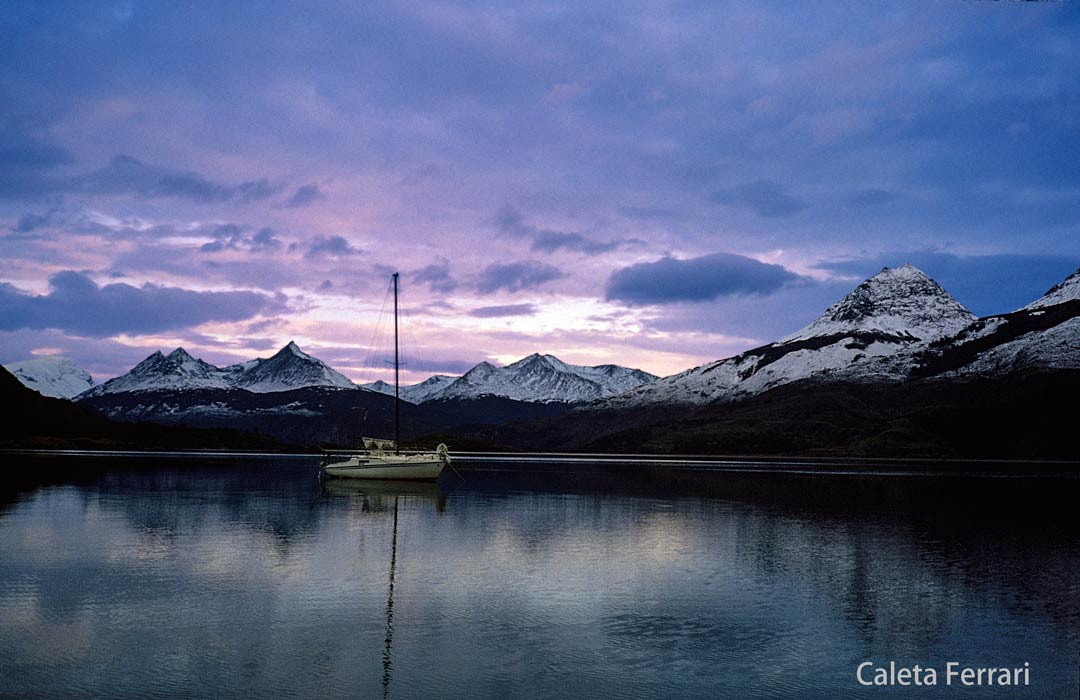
column 176, row 577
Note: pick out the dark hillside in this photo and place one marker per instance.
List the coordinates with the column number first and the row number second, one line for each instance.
column 1024, row 416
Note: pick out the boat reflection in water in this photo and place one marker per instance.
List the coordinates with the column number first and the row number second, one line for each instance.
column 381, row 495
column 387, row 496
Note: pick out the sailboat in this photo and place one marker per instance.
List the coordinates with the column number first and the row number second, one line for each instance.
column 383, row 459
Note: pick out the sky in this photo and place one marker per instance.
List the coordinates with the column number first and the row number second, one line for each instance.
column 654, row 184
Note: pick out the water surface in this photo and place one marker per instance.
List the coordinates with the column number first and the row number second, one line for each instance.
column 173, row 577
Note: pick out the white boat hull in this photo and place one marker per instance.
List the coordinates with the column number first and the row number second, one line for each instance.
column 419, row 467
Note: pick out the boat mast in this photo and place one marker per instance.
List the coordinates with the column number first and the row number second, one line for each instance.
column 397, row 378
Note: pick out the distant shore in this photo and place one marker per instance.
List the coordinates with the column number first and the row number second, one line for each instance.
column 779, row 464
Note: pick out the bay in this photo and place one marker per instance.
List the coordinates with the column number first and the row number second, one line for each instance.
column 170, row 576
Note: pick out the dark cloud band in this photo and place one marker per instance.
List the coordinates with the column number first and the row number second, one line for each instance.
column 670, row 280
column 503, row 311
column 75, row 303
column 516, row 276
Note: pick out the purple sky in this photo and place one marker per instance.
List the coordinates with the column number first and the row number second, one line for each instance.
column 651, row 184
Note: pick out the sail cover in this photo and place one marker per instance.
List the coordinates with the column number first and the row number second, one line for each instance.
column 378, row 444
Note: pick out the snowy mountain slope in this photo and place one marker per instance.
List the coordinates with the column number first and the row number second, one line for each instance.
column 414, row 393
column 379, row 387
column 872, row 333
column 290, row 368
column 1045, row 334
column 419, row 393
column 900, row 301
column 544, row 378
column 472, row 383
column 177, row 371
column 1067, row 290
column 53, row 376
column 1057, row 347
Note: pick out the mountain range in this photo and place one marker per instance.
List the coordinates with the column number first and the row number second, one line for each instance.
column 298, row 399
column 539, row 378
column 898, row 325
column 536, row 378
column 875, row 376
column 33, row 420
column 414, row 393
column 898, row 328
column 289, row 368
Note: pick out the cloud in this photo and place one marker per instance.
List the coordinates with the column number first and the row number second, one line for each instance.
column 516, row 276
column 127, row 175
column 986, row 284
column 331, row 247
column 505, row 310
column 21, row 149
column 870, row 198
column 764, row 197
column 24, row 147
column 264, row 241
column 235, row 237
column 27, row 155
column 670, row 280
column 510, row 222
column 30, row 222
column 226, row 237
column 257, row 270
column 304, row 196
column 436, row 276
column 75, row 303
column 254, row 190
column 550, row 241
column 30, row 165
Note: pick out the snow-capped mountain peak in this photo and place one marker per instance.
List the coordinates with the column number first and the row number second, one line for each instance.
column 178, row 370
column 875, row 331
column 292, row 348
column 901, row 301
column 418, row 393
column 543, row 378
column 481, row 369
column 289, row 368
column 414, row 393
column 180, row 361
column 52, row 375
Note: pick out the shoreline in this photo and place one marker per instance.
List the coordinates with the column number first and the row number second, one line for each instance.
column 775, row 464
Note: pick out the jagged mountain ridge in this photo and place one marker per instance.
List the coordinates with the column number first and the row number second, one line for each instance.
column 544, row 378
column 1044, row 334
column 289, row 368
column 414, row 393
column 53, row 375
column 872, row 333
column 536, row 378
